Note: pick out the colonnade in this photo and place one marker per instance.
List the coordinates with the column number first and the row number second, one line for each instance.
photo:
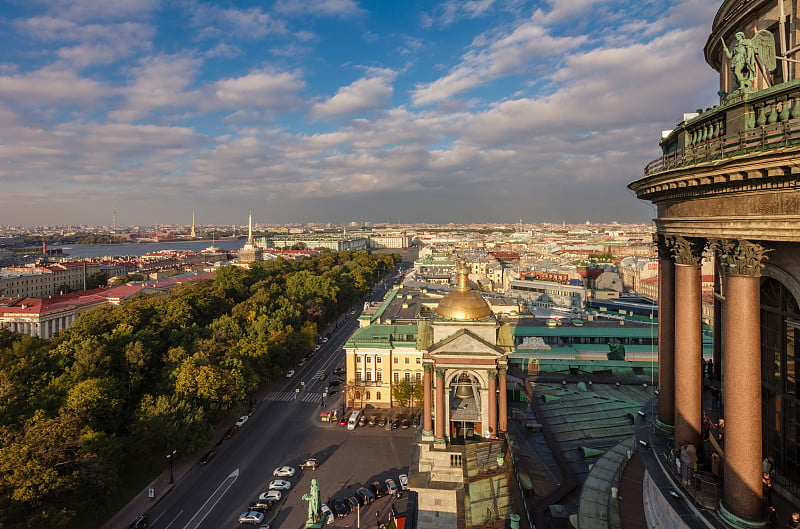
column 680, row 401
column 42, row 328
column 435, row 393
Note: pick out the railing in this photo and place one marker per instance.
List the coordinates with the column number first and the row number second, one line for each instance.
column 771, row 121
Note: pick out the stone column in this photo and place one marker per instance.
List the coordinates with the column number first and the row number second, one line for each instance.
column 688, row 343
column 427, row 400
column 741, row 494
column 440, row 413
column 492, row 426
column 503, row 400
column 666, row 335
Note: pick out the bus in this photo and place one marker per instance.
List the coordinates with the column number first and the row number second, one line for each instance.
column 353, row 421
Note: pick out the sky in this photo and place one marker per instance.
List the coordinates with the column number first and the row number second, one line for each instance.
column 341, row 110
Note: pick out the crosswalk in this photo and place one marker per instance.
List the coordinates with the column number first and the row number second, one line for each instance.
column 287, row 396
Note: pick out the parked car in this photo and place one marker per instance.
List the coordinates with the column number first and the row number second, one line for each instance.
column 290, row 373
column 264, row 526
column 391, row 487
column 309, row 464
column 284, row 472
column 395, row 424
column 381, row 422
column 340, row 508
column 271, row 495
column 279, row 484
column 263, row 505
column 365, row 495
column 208, row 456
column 242, row 420
column 362, row 421
column 140, row 522
column 327, row 514
column 416, row 421
column 251, row 517
column 343, row 421
column 373, row 419
column 403, row 479
column 230, row 431
column 378, row 488
column 405, row 424
column 334, row 382
column 338, row 371
column 352, row 502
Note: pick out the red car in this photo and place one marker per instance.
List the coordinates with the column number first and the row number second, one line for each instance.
column 343, row 420
column 230, row 431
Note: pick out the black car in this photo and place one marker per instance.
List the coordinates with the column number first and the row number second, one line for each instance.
column 352, row 502
column 140, row 522
column 339, row 508
column 208, row 456
column 416, row 421
column 334, row 382
column 395, row 424
column 365, row 495
column 378, row 488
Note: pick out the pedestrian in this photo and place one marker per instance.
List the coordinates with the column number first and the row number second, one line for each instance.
column 721, row 429
column 768, row 466
column 766, row 485
column 794, row 522
column 715, row 394
column 686, row 464
column 707, row 424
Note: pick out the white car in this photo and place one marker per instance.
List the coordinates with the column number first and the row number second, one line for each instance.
column 284, row 472
column 391, row 487
column 403, row 479
column 251, row 517
column 290, row 373
column 327, row 514
column 270, row 495
column 242, row 420
column 279, row 484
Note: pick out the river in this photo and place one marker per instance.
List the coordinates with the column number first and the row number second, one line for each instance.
column 102, row 250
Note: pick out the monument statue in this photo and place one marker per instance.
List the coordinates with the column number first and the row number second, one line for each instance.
column 313, row 504
column 747, row 54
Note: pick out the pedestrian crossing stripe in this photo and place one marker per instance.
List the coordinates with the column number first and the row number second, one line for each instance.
column 287, row 396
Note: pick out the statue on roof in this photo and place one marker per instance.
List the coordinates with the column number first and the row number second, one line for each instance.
column 748, row 55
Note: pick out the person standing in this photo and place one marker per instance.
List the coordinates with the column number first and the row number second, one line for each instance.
column 794, row 522
column 686, row 464
column 766, row 483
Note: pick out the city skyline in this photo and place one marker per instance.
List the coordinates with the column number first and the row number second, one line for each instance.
column 476, row 111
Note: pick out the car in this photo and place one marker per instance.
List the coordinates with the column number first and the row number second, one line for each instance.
column 395, row 424
column 365, row 495
column 362, row 421
column 280, row 484
column 270, row 495
column 230, row 432
column 264, row 526
column 316, row 347
column 323, row 376
column 263, row 505
column 327, row 514
column 334, row 382
column 208, row 456
column 378, row 488
column 284, row 472
column 352, row 312
column 405, row 424
column 352, row 502
column 290, row 373
column 342, row 420
column 309, row 464
column 381, row 422
column 301, row 363
column 338, row 371
column 242, row 420
column 373, row 419
column 140, row 522
column 416, row 421
column 251, row 517
column 324, row 340
column 340, row 508
column 403, row 479
column 391, row 487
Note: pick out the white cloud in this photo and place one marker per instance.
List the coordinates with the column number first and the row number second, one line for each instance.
column 339, row 8
column 86, row 10
column 217, row 22
column 263, row 89
column 452, row 11
column 363, row 95
column 50, row 86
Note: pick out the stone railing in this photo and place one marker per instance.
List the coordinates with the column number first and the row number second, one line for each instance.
column 771, row 120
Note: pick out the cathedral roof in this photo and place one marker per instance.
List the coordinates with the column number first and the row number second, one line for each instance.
column 463, row 303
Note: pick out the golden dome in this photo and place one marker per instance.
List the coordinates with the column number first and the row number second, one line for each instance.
column 463, row 303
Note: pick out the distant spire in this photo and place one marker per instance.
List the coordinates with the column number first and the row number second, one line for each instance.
column 250, row 229
column 193, row 235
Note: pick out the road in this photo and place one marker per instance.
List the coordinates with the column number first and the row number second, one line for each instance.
column 285, row 431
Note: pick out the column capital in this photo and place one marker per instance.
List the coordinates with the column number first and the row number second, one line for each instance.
column 664, row 245
column 740, row 256
column 440, row 372
column 492, row 374
column 428, row 368
column 688, row 250
column 502, row 370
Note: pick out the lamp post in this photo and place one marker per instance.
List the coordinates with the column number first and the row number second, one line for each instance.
column 170, row 457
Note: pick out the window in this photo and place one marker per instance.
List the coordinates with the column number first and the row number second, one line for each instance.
column 369, row 376
column 378, row 376
column 407, row 376
column 358, row 359
column 419, row 360
column 377, row 359
column 369, row 359
column 377, row 395
column 367, row 395
column 408, row 360
column 396, row 360
column 358, row 376
column 418, row 377
column 396, row 377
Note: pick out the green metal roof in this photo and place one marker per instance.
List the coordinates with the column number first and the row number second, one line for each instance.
column 570, row 330
column 381, row 336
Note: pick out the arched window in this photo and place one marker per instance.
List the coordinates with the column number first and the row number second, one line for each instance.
column 377, row 395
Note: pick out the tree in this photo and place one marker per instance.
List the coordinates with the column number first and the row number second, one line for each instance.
column 403, row 392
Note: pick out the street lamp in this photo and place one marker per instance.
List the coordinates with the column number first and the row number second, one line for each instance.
column 170, row 457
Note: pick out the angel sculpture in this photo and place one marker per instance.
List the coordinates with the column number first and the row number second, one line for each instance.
column 747, row 54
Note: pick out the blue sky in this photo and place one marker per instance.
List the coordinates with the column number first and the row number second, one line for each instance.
column 341, row 110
